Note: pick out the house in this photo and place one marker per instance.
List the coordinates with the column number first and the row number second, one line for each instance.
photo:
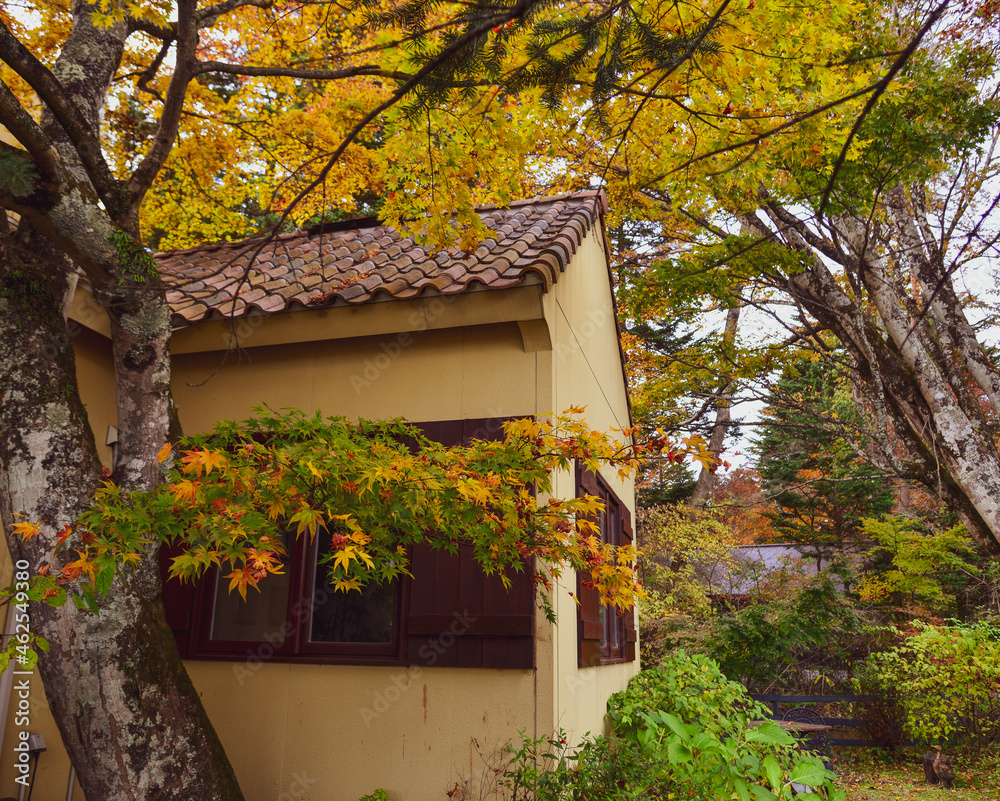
column 735, row 581
column 315, row 697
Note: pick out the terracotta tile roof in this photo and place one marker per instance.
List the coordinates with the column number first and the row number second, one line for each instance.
column 362, row 261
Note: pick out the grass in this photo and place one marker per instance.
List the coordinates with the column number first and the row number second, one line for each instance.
column 865, row 780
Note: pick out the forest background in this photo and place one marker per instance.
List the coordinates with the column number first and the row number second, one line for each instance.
column 829, row 165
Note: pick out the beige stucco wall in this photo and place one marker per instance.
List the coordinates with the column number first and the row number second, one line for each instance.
column 347, row 729
column 336, row 732
column 477, row 371
column 586, row 369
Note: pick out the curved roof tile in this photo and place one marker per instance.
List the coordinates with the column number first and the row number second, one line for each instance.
column 363, row 261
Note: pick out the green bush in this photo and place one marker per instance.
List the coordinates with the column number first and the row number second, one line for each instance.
column 678, row 732
column 690, row 687
column 812, row 625
column 948, row 678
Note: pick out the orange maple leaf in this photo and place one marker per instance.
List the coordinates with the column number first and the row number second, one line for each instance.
column 82, row 566
column 240, row 579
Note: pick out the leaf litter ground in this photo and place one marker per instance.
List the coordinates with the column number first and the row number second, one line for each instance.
column 865, row 781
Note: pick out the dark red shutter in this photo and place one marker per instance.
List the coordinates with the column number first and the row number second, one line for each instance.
column 630, row 633
column 457, row 615
column 589, row 627
column 178, row 601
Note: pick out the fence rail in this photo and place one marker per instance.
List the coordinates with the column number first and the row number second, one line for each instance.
column 776, row 702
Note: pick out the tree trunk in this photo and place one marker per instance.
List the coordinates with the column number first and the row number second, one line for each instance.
column 723, row 416
column 927, row 383
column 128, row 714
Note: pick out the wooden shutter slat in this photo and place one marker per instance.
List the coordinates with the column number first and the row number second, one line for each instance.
column 589, row 628
column 178, row 601
column 631, row 635
column 485, row 624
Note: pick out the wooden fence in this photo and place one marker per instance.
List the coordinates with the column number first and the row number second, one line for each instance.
column 780, row 704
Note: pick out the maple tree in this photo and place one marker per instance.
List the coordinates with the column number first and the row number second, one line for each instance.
column 143, row 123
column 680, row 553
column 378, row 488
column 740, row 503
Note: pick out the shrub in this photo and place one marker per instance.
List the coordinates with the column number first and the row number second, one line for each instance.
column 692, row 688
column 678, row 732
column 882, row 713
column 949, row 680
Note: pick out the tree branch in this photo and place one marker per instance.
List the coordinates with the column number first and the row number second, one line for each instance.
column 207, row 16
column 85, row 138
column 879, row 88
column 142, row 84
column 155, row 31
column 203, row 67
column 26, row 131
column 173, row 106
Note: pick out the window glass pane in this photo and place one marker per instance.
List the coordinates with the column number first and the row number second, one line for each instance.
column 263, row 616
column 364, row 617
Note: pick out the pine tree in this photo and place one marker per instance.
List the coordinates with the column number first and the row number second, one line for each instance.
column 821, row 483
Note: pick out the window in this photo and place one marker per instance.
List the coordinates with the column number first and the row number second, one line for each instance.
column 448, row 614
column 605, row 634
column 298, row 615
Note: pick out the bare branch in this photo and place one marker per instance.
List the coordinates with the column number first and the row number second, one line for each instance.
column 293, row 72
column 207, row 16
column 167, row 34
column 142, row 84
column 173, row 106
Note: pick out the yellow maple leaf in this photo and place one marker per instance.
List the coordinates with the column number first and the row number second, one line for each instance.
column 203, row 460
column 26, row 530
column 344, row 556
column 184, row 491
column 164, row 452
column 345, row 585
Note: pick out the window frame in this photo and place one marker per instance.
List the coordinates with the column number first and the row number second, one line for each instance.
column 615, row 638
column 450, row 614
column 296, row 646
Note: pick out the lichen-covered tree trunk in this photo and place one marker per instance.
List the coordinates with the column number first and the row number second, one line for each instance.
column 928, row 386
column 127, row 711
column 128, row 714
